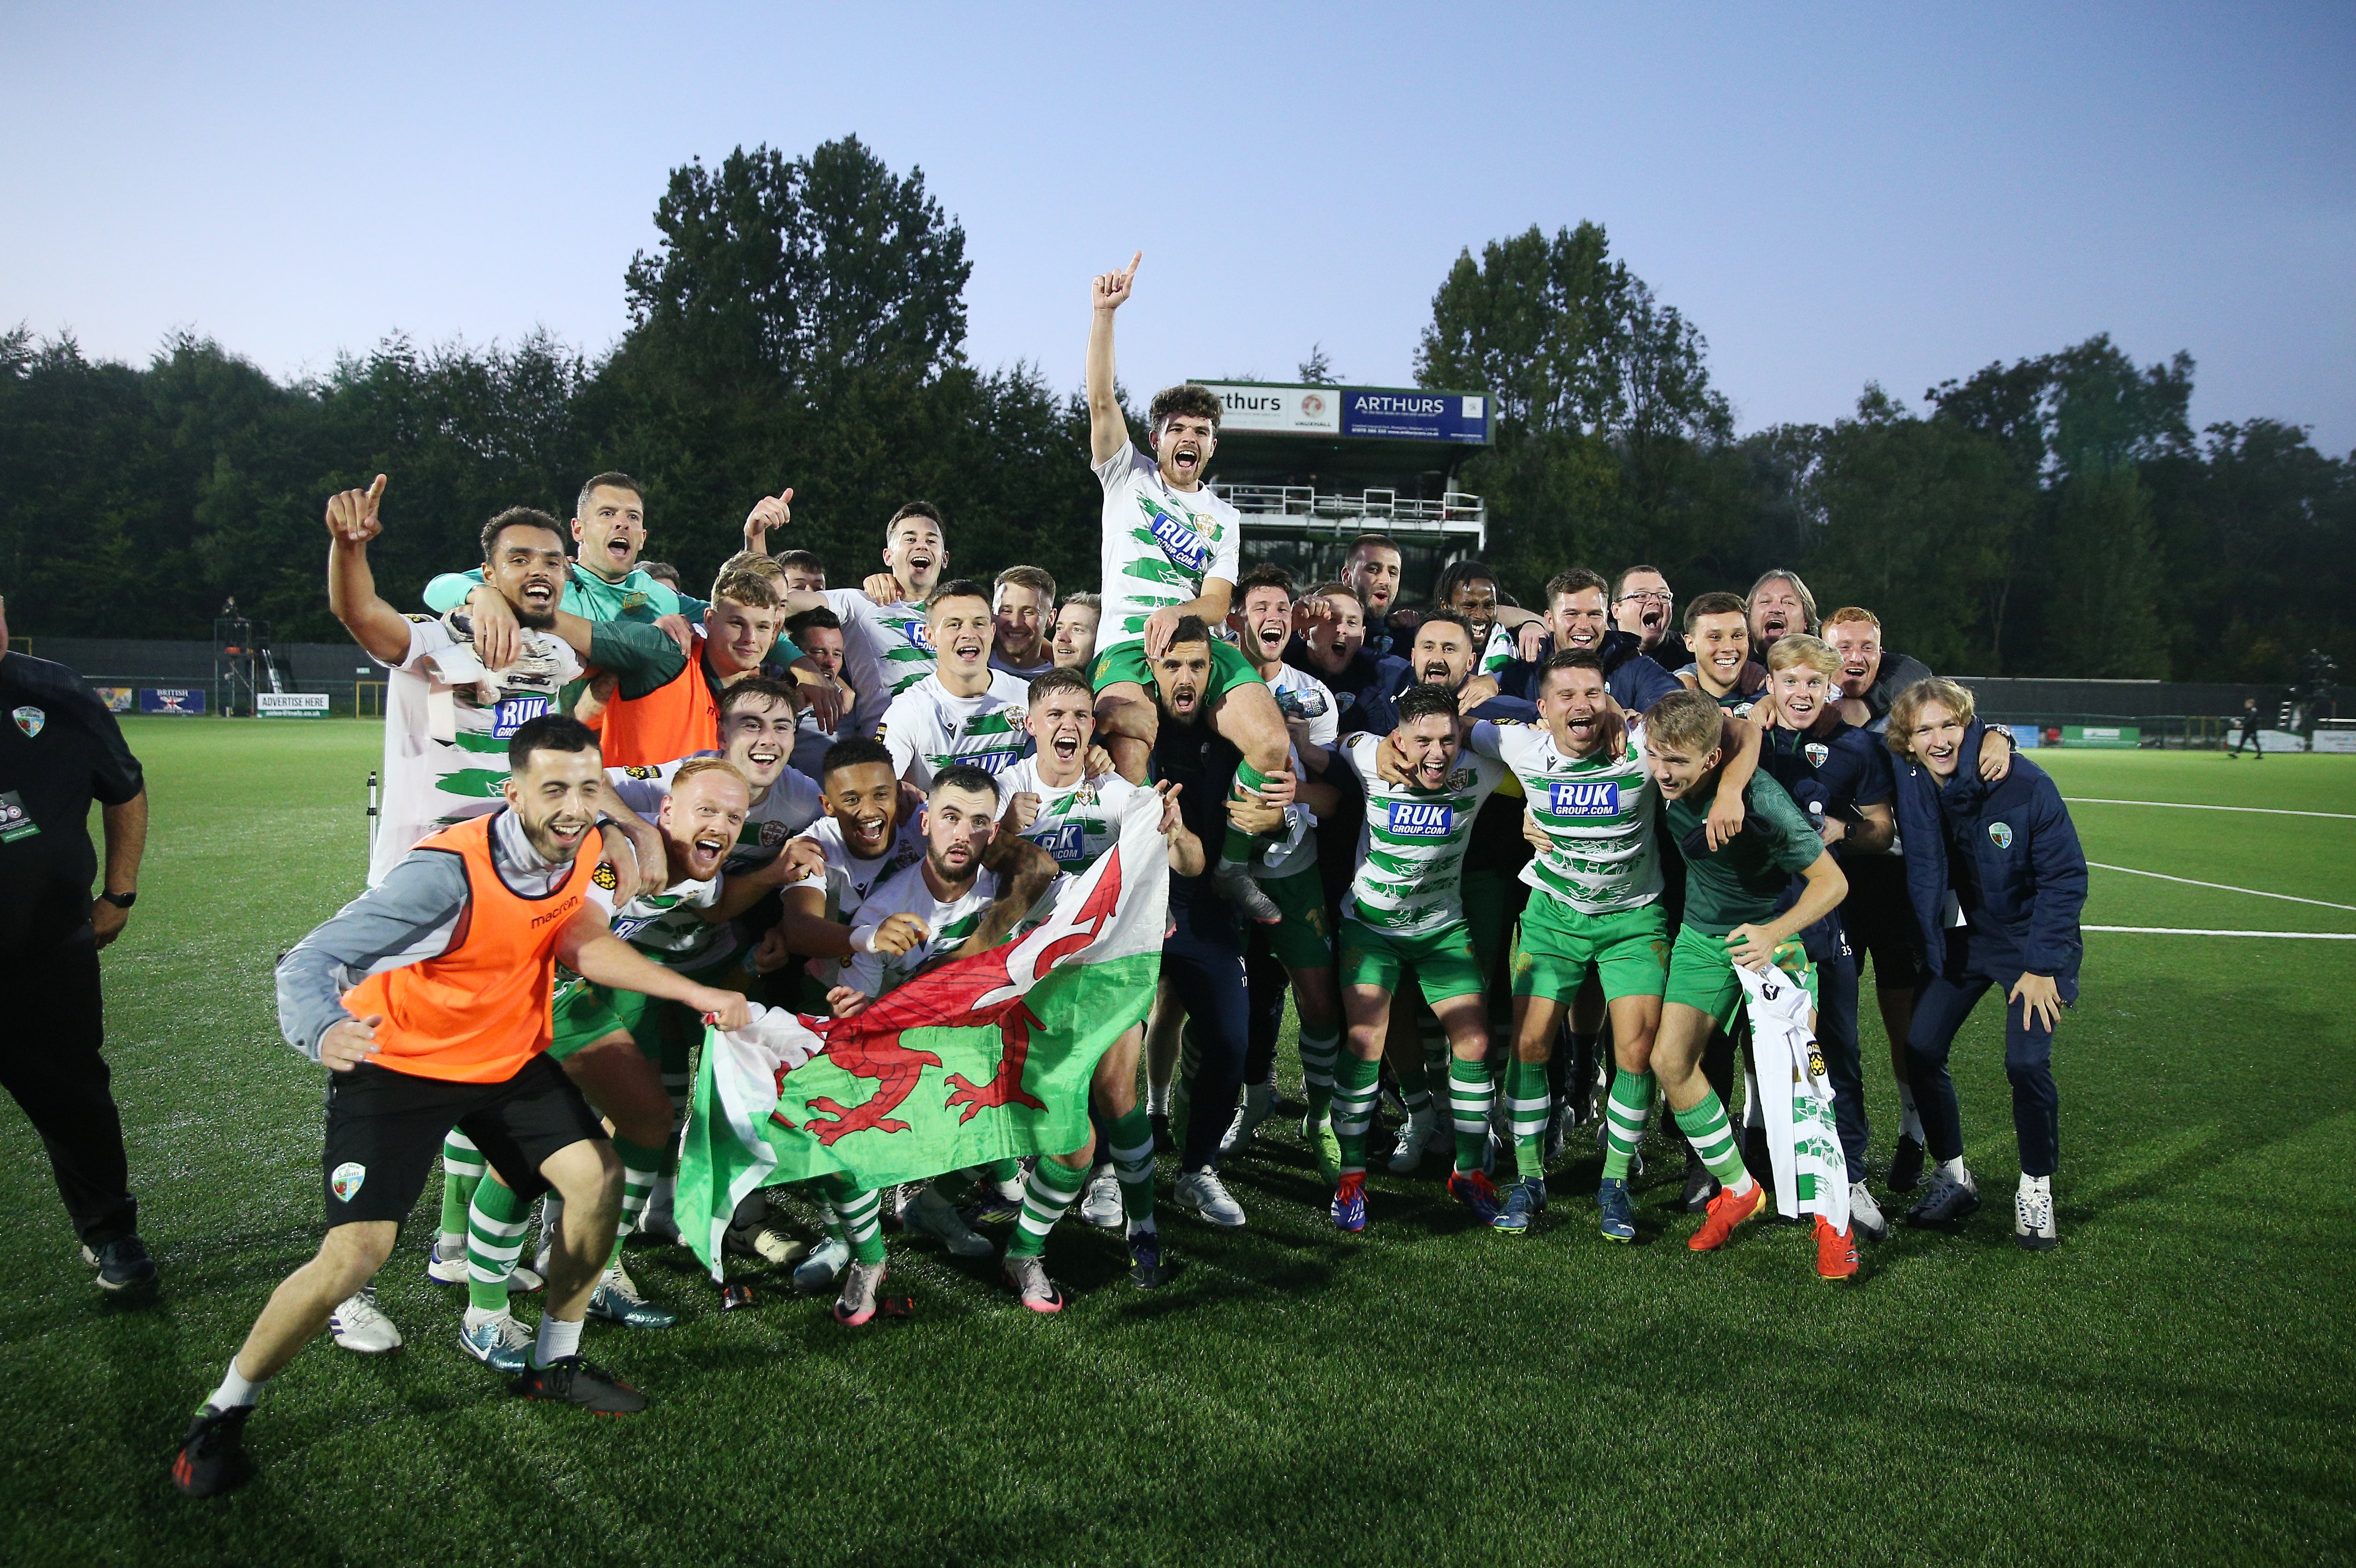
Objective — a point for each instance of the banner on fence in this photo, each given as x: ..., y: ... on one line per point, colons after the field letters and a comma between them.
x: 118, y: 698
x: 2116, y: 737
x: 171, y: 699
x: 291, y: 705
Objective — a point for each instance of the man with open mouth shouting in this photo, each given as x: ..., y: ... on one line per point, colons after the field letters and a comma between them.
x: 603, y: 583
x: 608, y: 1039
x: 1643, y: 606
x: 964, y: 712
x: 1171, y: 551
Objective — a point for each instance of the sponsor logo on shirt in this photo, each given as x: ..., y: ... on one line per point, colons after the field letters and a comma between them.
x: 626, y: 929
x: 514, y: 712
x: 1067, y: 842
x: 1583, y: 797
x: 1419, y: 819
x: 1300, y: 702
x: 1185, y: 547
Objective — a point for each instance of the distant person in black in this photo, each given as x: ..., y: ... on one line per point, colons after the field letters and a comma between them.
x: 60, y: 749
x: 2249, y: 730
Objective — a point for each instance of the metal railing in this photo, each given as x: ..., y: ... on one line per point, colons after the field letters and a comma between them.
x: 1456, y: 511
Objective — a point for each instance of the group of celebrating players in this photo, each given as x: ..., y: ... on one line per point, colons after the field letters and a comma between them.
x: 613, y: 812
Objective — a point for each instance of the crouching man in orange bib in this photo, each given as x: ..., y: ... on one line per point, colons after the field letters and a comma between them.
x: 427, y: 999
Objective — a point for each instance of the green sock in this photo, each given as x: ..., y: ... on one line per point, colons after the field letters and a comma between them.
x: 1469, y: 1098
x: 1714, y: 1141
x: 1353, y: 1106
x: 495, y: 1227
x: 1049, y: 1192
x: 1527, y: 1096
x: 1317, y: 1053
x: 1003, y: 1171
x: 640, y: 1167
x: 1623, y: 1121
x: 462, y: 1168
x: 1130, y: 1145
x: 1238, y: 844
x: 860, y: 1212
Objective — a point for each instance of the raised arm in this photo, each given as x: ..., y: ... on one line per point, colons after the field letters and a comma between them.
x: 1108, y: 425
x: 374, y: 625
x: 593, y: 952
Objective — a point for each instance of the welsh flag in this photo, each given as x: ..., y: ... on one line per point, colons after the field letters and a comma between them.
x: 982, y: 1059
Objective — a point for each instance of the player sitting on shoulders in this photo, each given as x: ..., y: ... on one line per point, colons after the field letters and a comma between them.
x: 1169, y: 551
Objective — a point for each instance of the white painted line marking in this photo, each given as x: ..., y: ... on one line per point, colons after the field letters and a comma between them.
x: 2179, y: 931
x: 2188, y: 805
x: 2222, y: 887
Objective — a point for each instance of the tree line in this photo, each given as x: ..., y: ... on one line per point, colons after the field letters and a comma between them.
x: 802, y: 322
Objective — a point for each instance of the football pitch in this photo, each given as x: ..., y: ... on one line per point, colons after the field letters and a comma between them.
x: 2177, y: 1381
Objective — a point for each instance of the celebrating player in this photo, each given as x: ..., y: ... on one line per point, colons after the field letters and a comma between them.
x: 1171, y: 549
x: 449, y: 1024
x: 965, y: 896
x: 1405, y: 912
x: 1732, y: 896
x: 1594, y: 910
x: 964, y: 712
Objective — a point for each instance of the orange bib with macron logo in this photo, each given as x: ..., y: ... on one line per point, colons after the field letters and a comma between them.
x: 480, y: 1011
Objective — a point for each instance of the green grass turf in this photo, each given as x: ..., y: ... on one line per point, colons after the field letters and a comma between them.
x: 2176, y: 1383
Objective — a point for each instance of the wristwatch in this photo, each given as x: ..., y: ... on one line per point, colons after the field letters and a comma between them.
x: 121, y: 901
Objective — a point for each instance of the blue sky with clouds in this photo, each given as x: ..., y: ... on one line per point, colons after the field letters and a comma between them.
x: 1834, y: 195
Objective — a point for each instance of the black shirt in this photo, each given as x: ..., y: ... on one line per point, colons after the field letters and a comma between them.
x: 59, y: 749
x: 1195, y: 758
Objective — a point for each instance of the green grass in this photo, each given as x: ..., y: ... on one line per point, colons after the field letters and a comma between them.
x: 2177, y: 1382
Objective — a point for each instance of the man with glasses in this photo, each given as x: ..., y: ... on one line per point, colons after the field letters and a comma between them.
x: 1643, y: 606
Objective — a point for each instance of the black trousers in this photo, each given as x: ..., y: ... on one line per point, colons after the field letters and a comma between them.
x: 50, y: 1061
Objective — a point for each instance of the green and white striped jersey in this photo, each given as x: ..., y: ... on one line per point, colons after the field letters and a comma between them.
x: 1598, y: 813
x: 1501, y: 649
x: 792, y: 804
x: 666, y: 927
x: 447, y: 727
x: 1412, y: 849
x: 907, y: 892
x: 1076, y: 823
x: 894, y: 635
x: 928, y: 728
x: 1159, y: 545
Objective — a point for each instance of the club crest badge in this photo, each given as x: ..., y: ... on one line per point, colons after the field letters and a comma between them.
x: 1815, y: 752
x: 2000, y: 834
x: 30, y: 719
x: 346, y: 1179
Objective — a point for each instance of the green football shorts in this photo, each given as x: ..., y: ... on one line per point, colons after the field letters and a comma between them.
x: 1555, y: 948
x: 1701, y: 975
x: 1229, y: 669
x: 587, y: 1013
x: 1442, y: 960
x: 1300, y: 940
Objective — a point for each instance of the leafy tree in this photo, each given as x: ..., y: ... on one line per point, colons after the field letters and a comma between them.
x: 796, y: 270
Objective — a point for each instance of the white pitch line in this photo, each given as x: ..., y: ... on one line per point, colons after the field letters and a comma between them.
x: 2222, y: 887
x: 2179, y: 931
x: 2188, y: 805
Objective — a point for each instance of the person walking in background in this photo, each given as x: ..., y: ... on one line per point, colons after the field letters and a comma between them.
x: 2249, y: 731
x: 60, y: 749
